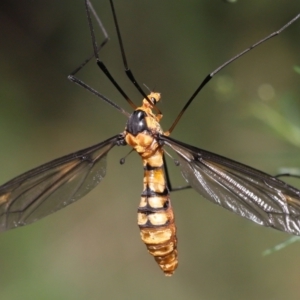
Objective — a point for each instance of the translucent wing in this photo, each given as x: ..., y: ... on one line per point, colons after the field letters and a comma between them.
x: 52, y: 186
x: 249, y: 193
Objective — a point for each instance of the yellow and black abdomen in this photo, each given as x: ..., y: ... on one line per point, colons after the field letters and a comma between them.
x: 155, y: 214
x: 156, y: 220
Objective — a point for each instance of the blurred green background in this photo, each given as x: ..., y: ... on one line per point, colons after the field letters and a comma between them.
x: 92, y: 249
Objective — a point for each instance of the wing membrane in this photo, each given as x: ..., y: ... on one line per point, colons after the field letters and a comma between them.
x: 52, y: 186
x: 243, y: 190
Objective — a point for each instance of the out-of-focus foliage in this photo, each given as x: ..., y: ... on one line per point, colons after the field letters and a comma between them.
x: 283, y: 118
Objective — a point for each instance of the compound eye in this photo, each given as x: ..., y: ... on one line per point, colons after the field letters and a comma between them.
x: 153, y: 100
x: 140, y: 115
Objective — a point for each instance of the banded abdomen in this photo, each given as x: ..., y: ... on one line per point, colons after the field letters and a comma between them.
x: 156, y: 218
x: 155, y: 214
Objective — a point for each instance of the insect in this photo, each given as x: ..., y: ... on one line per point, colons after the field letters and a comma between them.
x: 262, y: 198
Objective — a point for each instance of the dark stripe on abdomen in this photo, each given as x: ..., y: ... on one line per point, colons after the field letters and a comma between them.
x: 150, y: 193
x: 151, y: 168
x: 156, y: 220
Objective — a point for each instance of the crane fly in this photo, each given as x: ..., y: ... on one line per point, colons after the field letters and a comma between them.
x: 250, y: 193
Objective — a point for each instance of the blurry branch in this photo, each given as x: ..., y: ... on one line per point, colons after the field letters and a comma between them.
x: 281, y: 246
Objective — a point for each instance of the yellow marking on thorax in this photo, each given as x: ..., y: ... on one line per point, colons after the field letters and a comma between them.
x: 144, y: 143
x: 147, y: 107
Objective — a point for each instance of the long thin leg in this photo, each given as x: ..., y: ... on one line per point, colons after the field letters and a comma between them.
x: 104, y: 98
x: 210, y: 76
x: 103, y: 43
x: 127, y: 69
x: 89, y: 8
x: 96, y: 48
x: 168, y: 180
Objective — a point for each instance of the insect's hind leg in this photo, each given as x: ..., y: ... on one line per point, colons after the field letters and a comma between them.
x: 97, y: 48
x: 168, y: 180
x: 125, y: 64
x: 90, y: 9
